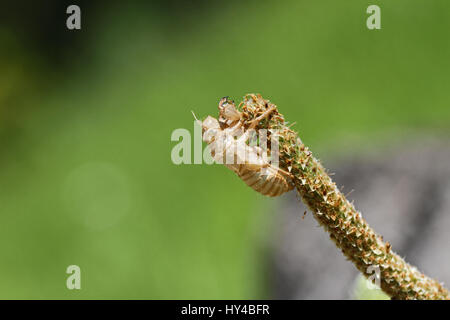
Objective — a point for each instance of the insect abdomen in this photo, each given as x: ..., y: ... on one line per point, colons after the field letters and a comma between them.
x: 269, y: 183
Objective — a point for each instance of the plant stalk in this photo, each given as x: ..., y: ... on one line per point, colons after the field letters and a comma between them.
x: 347, y: 229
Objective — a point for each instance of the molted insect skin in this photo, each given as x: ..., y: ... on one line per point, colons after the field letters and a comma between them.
x: 228, y: 114
x: 253, y: 169
x: 267, y: 181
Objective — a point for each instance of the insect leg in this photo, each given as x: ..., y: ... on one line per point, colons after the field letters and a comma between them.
x: 266, y: 113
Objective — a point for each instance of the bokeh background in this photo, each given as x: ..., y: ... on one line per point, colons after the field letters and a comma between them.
x: 86, y: 117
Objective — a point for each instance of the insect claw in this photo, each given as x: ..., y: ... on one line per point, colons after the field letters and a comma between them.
x: 222, y: 102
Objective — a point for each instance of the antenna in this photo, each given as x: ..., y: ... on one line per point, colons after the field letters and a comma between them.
x: 198, y: 121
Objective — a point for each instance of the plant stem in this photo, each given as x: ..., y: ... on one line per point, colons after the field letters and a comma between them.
x: 345, y: 225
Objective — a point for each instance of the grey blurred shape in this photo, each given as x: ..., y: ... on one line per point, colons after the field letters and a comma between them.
x: 404, y: 194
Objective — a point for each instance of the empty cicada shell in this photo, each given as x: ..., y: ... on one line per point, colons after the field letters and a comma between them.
x: 227, y: 140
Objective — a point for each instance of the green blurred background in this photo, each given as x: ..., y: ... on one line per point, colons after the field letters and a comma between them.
x: 86, y: 117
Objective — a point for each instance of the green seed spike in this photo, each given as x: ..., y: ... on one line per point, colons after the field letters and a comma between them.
x: 345, y: 225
